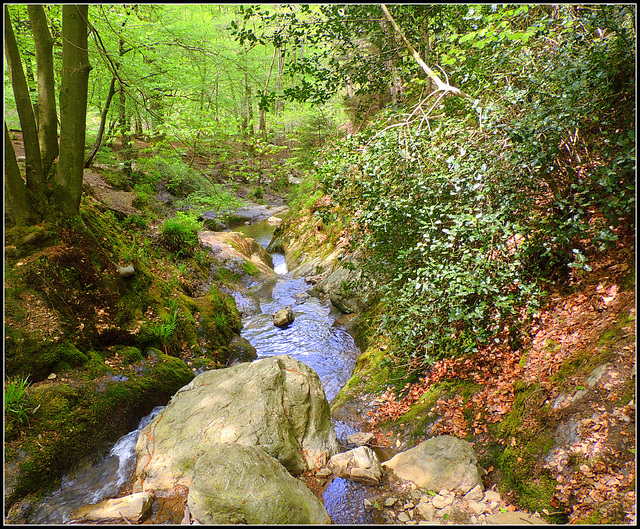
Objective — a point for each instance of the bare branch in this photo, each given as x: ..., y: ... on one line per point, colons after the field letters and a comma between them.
x: 442, y: 85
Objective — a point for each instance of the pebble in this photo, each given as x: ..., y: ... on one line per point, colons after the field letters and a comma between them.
x: 323, y: 473
x: 426, y: 510
x: 475, y: 507
x: 439, y: 501
x: 475, y: 493
x: 419, y: 507
x: 491, y: 495
x: 359, y: 438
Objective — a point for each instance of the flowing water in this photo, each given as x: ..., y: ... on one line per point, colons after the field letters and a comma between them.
x: 313, y: 338
x: 94, y: 484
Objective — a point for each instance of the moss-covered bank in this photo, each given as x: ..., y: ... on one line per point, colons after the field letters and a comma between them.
x: 100, y: 348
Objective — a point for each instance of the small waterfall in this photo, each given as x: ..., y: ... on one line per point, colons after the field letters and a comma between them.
x: 92, y: 485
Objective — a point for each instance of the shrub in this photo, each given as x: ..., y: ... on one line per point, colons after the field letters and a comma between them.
x: 180, y: 234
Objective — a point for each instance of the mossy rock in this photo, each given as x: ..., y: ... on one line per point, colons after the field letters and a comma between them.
x: 219, y: 321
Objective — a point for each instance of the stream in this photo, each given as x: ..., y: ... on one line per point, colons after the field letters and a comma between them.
x: 314, y: 338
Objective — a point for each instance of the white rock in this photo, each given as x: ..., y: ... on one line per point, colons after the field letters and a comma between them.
x: 476, y: 507
x: 426, y: 510
x: 444, y: 461
x: 359, y: 438
x: 130, y: 508
x: 360, y: 464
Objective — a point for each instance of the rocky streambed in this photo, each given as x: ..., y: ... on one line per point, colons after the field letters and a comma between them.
x: 255, y: 442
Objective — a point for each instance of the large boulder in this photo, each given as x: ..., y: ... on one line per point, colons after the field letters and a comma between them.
x: 236, y: 484
x: 443, y: 462
x: 276, y: 403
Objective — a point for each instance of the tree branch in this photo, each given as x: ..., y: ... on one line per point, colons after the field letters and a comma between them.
x: 445, y: 87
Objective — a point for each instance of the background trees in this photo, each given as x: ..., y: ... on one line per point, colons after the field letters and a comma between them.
x: 158, y: 71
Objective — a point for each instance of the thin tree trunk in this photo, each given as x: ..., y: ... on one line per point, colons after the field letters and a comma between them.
x: 33, y: 158
x: 263, y: 121
x: 279, y: 105
x: 73, y: 109
x: 47, y: 117
x: 17, y: 207
x: 103, y: 120
x: 125, y: 137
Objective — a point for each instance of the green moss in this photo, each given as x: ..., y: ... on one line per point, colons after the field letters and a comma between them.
x: 250, y: 268
x: 95, y: 366
x: 373, y: 373
x: 219, y: 321
x: 586, y: 360
x: 75, y: 421
x: 129, y: 353
x: 534, y: 489
x: 519, y: 463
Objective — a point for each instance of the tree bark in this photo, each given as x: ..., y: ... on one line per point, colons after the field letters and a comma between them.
x: 47, y: 116
x: 73, y: 110
x: 33, y: 159
x: 17, y: 208
x: 103, y: 120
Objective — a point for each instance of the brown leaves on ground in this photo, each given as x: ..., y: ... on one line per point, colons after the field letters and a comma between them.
x: 600, y: 486
x: 591, y: 475
x: 495, y: 368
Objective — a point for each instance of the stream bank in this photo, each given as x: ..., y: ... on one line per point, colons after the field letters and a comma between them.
x: 552, y: 423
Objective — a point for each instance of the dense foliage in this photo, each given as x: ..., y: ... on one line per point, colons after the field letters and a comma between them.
x: 464, y: 206
x: 466, y: 215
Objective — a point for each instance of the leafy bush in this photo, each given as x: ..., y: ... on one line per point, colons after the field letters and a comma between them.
x: 180, y: 234
x: 465, y: 218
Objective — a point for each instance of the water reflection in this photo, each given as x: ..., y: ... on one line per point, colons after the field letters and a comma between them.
x: 313, y: 338
x: 344, y: 501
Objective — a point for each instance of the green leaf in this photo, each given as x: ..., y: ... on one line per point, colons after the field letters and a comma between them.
x: 467, y: 37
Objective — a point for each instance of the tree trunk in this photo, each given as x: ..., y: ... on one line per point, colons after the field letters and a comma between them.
x: 33, y: 159
x: 125, y: 137
x: 278, y: 138
x: 73, y: 110
x: 47, y: 117
x: 103, y: 120
x: 17, y: 208
x: 263, y: 121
